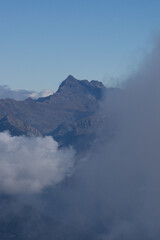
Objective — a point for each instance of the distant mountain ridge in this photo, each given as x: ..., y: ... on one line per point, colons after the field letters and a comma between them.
x: 19, y: 95
x: 66, y: 115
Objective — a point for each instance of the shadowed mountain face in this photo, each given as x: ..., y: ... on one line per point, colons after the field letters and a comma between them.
x: 67, y: 115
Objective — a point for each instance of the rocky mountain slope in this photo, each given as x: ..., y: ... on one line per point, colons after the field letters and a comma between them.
x: 67, y: 115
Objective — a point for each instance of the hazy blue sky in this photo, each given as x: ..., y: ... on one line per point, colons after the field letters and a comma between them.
x: 43, y: 41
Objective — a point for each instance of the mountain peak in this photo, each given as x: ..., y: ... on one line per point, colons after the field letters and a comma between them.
x: 70, y: 81
x: 70, y: 78
x: 71, y: 84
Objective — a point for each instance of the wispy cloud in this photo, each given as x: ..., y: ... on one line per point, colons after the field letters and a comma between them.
x: 121, y: 180
x: 29, y: 164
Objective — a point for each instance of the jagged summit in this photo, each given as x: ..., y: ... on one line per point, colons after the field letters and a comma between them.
x: 72, y: 83
x: 70, y: 78
x: 69, y: 82
x: 97, y: 84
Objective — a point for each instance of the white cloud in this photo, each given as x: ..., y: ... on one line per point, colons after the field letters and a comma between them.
x: 31, y: 164
x: 43, y: 93
x: 6, y: 92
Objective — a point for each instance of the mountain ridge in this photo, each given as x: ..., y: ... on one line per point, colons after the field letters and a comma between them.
x: 75, y: 101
